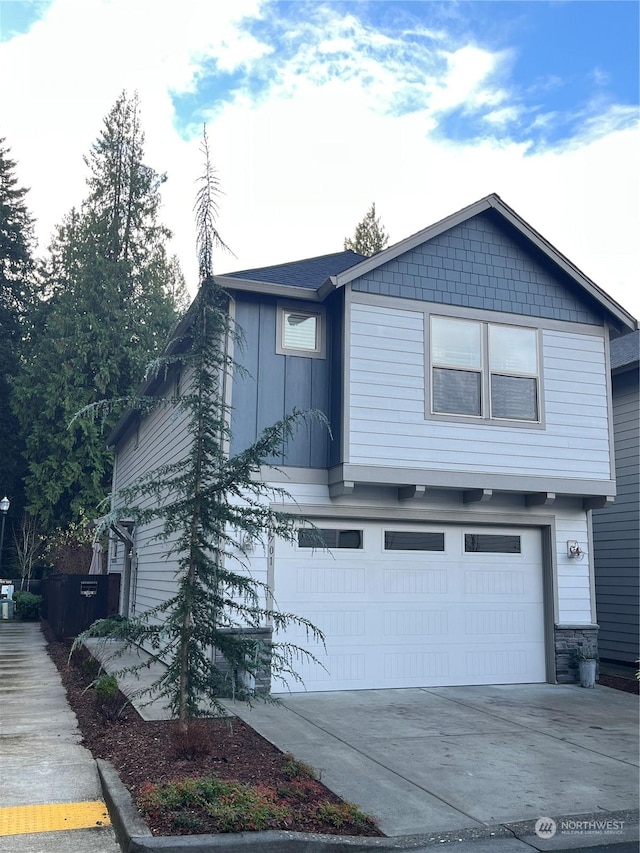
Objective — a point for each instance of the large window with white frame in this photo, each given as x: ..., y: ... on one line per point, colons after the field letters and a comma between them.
x: 484, y: 370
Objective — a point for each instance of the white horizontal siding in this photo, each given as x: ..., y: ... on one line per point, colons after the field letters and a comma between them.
x: 387, y: 423
x: 161, y: 438
x: 573, y: 576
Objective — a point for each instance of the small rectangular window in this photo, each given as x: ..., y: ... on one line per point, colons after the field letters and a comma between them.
x: 300, y: 331
x: 491, y: 543
x: 329, y: 538
x: 401, y: 540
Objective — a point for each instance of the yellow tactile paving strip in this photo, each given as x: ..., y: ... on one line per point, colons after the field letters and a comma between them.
x: 52, y: 817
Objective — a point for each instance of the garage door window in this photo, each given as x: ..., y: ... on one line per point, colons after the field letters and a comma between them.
x: 491, y: 543
x: 329, y: 538
x: 401, y: 540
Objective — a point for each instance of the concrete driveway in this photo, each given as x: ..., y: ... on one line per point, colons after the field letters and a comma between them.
x: 438, y: 759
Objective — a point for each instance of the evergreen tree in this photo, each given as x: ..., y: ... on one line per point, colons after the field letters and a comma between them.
x: 108, y: 303
x: 16, y: 299
x: 370, y: 236
x: 211, y: 506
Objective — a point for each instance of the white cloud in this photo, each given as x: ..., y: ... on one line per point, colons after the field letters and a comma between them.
x: 329, y: 134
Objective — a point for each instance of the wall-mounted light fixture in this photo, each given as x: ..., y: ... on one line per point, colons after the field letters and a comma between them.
x: 248, y: 543
x: 574, y: 550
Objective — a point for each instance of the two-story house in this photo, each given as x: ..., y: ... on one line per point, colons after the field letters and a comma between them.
x: 465, y: 375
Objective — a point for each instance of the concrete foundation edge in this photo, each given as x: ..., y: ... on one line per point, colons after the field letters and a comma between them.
x: 134, y: 836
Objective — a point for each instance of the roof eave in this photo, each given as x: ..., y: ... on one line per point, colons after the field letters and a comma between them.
x: 287, y: 291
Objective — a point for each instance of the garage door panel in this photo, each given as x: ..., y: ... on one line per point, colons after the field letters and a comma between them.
x: 415, y: 581
x: 411, y: 618
x: 330, y: 580
x: 423, y: 666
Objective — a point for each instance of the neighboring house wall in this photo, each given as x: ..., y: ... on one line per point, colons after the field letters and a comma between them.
x: 616, y: 530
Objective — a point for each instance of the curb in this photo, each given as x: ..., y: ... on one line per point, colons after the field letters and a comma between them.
x: 134, y: 835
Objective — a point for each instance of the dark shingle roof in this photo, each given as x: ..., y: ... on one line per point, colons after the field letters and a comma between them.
x: 625, y: 350
x: 308, y: 273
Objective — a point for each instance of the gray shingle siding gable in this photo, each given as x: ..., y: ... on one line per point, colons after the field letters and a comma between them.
x: 479, y: 264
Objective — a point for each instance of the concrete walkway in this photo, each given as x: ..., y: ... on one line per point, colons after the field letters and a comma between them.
x: 41, y: 759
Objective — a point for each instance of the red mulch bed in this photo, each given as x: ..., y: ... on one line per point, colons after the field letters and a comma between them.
x: 146, y: 752
x: 619, y: 682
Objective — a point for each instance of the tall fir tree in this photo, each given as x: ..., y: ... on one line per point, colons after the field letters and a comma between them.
x: 370, y: 236
x: 211, y: 507
x: 107, y: 307
x: 16, y: 302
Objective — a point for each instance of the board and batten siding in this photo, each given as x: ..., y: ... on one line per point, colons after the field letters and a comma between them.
x: 616, y: 532
x: 270, y: 385
x: 387, y: 400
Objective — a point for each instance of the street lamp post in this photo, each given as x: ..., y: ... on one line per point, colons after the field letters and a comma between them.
x: 4, y: 509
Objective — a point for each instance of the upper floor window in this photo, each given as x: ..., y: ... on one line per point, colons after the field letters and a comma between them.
x: 300, y: 332
x: 484, y: 370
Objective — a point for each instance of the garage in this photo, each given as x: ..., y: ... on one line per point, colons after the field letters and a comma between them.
x: 415, y: 605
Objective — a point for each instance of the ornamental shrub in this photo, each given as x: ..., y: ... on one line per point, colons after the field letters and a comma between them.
x: 27, y: 606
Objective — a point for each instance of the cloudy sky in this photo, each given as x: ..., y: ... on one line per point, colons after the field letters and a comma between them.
x: 316, y: 109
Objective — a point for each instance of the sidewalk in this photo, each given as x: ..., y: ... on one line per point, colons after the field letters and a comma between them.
x: 50, y: 795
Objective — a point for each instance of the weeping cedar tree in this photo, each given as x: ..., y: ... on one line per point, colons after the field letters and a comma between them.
x: 211, y: 506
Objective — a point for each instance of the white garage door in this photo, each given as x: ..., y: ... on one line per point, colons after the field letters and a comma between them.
x: 409, y: 606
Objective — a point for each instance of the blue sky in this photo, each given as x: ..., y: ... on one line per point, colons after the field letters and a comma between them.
x: 315, y: 109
